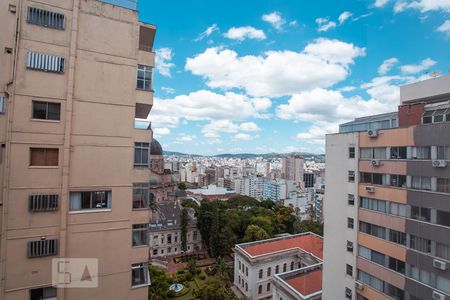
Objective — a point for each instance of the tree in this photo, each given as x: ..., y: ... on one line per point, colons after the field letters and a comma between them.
x: 220, y: 269
x: 215, y: 289
x: 192, y: 266
x: 182, y: 186
x: 159, y: 284
x: 255, y: 233
x: 184, y: 222
x: 306, y: 226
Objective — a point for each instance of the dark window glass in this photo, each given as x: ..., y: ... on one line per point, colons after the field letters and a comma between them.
x: 443, y: 218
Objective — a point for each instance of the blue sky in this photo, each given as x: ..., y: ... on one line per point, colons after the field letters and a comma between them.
x: 261, y: 76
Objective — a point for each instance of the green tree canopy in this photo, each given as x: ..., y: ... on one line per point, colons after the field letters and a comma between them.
x: 255, y: 233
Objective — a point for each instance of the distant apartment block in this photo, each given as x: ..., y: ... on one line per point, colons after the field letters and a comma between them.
x: 387, y: 208
x: 75, y: 75
x: 275, y: 268
x: 292, y: 168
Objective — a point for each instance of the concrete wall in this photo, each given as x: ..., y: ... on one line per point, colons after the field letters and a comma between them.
x: 336, y: 210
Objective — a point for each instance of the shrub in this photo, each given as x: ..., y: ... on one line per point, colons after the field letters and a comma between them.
x: 181, y: 278
x: 188, y: 276
x: 202, y: 276
x: 180, y: 271
x: 198, y: 270
x: 171, y: 294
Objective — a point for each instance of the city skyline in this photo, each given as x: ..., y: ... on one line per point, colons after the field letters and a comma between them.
x: 222, y: 85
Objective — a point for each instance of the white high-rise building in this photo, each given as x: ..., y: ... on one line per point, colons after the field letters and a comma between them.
x: 292, y: 168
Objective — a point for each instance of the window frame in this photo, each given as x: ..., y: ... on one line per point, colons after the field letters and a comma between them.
x: 46, y: 159
x: 145, y: 273
x: 146, y: 79
x: 139, y: 235
x: 47, y: 104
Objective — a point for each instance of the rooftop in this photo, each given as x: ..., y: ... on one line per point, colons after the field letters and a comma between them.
x: 306, y: 282
x: 212, y: 190
x: 307, y: 242
x: 168, y: 215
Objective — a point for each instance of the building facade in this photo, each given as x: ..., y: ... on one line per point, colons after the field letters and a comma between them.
x: 292, y: 168
x: 256, y: 263
x: 387, y: 207
x: 75, y: 77
x: 165, y: 231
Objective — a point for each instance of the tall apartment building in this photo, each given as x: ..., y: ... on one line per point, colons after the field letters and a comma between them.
x: 387, y: 206
x: 252, y: 186
x: 292, y: 168
x: 74, y: 169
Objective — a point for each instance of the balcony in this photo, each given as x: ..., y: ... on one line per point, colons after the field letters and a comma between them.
x: 146, y: 37
x: 129, y: 4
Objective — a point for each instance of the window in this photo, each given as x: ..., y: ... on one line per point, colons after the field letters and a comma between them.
x: 284, y: 267
x: 348, y: 293
x: 350, y: 223
x: 443, y: 251
x: 268, y: 287
x: 90, y: 200
x: 260, y: 273
x: 351, y: 152
x: 140, y: 235
x: 398, y: 209
x: 421, y: 183
x: 246, y: 286
x: 246, y: 271
x: 427, y: 117
x: 139, y: 274
x: 277, y: 269
x: 372, y: 178
x: 292, y: 265
x: 371, y: 280
x: 155, y: 251
x: 260, y: 289
x: 38, y: 203
x: 42, y: 248
x: 169, y: 238
x: 144, y: 78
x: 421, y: 152
x: 43, y: 293
x: 398, y: 152
x: 366, y: 153
x: 396, y: 265
x: 269, y: 271
x: 377, y: 257
x: 373, y: 204
x: 46, y: 110
x: 349, y: 270
x: 438, y: 116
x: 3, y: 101
x: 45, y: 62
x: 443, y: 185
x: 443, y: 152
x: 45, y: 18
x: 397, y: 237
x: 398, y: 180
x: 351, y: 199
x: 365, y: 252
x: 44, y: 156
x: 421, y: 213
x: 141, y: 195
x: 351, y: 176
x: 394, y: 292
x: 141, y: 154
x: 350, y: 246
x: 443, y: 217
x: 372, y: 229
x: 373, y: 153
x: 420, y: 244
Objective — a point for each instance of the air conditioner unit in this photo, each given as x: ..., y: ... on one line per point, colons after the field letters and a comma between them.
x: 439, y: 264
x: 437, y: 296
x: 370, y: 189
x: 372, y: 133
x: 439, y: 163
x: 359, y: 285
x: 375, y: 162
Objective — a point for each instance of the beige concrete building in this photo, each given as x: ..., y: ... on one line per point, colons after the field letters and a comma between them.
x: 292, y: 168
x: 75, y: 74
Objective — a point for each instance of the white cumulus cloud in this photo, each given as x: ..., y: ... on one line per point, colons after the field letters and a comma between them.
x: 163, y: 61
x: 244, y: 136
x: 380, y: 3
x: 422, y: 66
x: 245, y: 32
x: 158, y: 132
x: 444, y: 28
x: 208, y: 31
x: 344, y: 16
x: 387, y: 65
x: 274, y: 19
x: 325, y: 24
x: 322, y: 63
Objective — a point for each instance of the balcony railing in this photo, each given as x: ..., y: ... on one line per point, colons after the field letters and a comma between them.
x: 130, y: 4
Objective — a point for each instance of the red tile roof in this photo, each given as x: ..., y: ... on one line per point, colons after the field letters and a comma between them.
x: 307, y: 283
x: 308, y: 242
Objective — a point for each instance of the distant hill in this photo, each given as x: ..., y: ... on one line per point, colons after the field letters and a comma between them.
x: 316, y: 157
